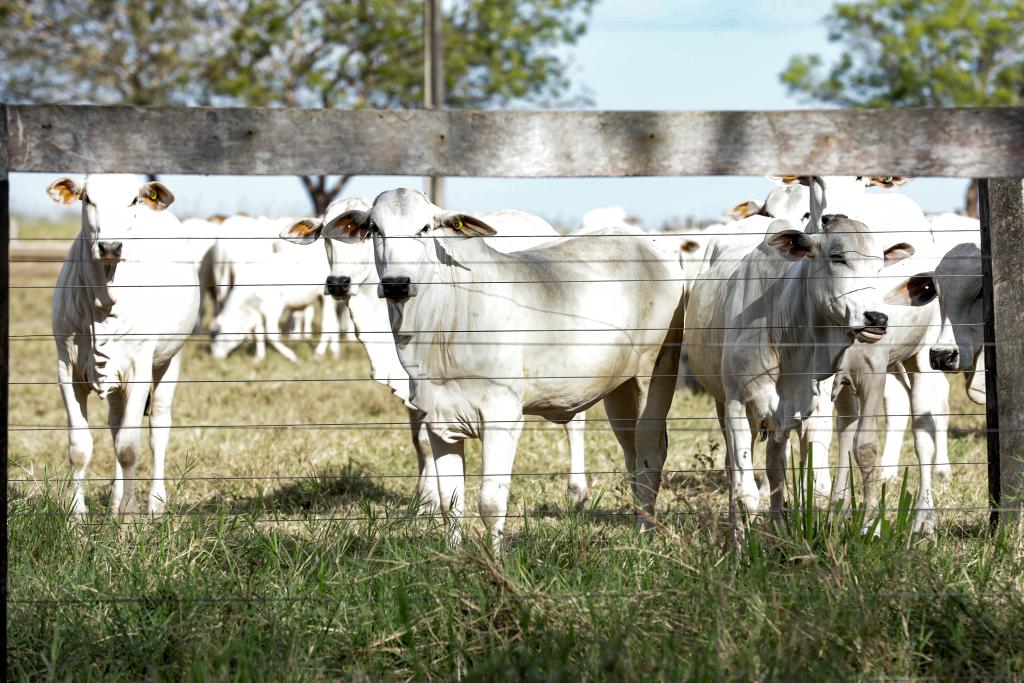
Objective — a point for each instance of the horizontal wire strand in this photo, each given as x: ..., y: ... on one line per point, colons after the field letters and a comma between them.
x: 468, y: 475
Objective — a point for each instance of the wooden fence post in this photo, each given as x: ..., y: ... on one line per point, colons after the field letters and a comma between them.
x: 1001, y: 202
x: 5, y: 311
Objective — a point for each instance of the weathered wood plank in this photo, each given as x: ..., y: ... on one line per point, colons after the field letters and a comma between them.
x: 983, y: 142
x: 5, y: 331
x: 1002, y: 214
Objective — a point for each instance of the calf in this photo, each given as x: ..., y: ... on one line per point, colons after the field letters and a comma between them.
x: 763, y: 324
x: 125, y: 301
x: 353, y: 279
x: 576, y: 326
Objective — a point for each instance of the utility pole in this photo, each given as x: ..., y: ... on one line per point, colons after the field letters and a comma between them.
x: 433, y: 77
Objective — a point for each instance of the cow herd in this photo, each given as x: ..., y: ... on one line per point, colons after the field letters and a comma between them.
x: 826, y: 297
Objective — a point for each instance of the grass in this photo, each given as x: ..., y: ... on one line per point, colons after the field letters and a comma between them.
x: 326, y: 574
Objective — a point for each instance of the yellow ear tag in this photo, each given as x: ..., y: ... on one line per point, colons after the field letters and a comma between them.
x: 153, y: 194
x: 457, y: 225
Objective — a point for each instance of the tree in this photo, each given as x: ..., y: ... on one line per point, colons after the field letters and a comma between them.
x: 918, y: 53
x: 369, y: 54
x: 294, y: 53
x: 101, y: 51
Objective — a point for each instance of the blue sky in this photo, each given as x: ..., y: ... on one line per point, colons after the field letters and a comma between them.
x: 638, y: 54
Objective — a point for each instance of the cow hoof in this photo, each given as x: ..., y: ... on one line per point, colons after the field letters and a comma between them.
x: 578, y: 495
x: 129, y: 508
x: 890, y: 473
x: 156, y: 507
x: 942, y: 473
x: 924, y: 523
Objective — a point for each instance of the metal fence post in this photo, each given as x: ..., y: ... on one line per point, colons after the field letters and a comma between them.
x: 1001, y: 203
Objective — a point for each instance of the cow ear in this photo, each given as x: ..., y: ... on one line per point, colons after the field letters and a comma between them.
x: 744, y: 210
x: 898, y: 252
x: 790, y: 179
x: 303, y: 231
x: 888, y: 181
x: 792, y: 245
x: 156, y: 195
x: 470, y: 226
x: 65, y: 191
x: 917, y: 290
x: 351, y: 226
x: 689, y: 246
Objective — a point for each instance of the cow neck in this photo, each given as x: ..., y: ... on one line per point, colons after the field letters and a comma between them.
x: 798, y: 327
x: 445, y: 305
x: 370, y: 320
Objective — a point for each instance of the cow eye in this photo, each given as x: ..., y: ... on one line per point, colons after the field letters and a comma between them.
x: 838, y: 258
x: 425, y: 229
x: 134, y: 202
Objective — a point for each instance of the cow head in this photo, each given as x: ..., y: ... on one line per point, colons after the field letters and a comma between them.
x: 351, y: 262
x: 237, y: 321
x: 114, y: 209
x: 957, y: 281
x: 843, y: 263
x: 407, y: 232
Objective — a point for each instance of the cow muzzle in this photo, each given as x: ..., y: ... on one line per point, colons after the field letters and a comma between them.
x: 877, y: 324
x: 338, y: 286
x: 946, y: 360
x: 395, y: 288
x: 109, y: 251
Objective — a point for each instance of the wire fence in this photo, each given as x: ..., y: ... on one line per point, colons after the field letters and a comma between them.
x: 499, y: 338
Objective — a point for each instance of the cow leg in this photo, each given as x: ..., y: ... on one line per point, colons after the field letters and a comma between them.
x: 260, y: 334
x: 76, y: 398
x: 274, y: 335
x: 871, y: 389
x: 500, y: 438
x: 115, y: 417
x: 776, y: 465
x: 578, y: 487
x: 426, y: 485
x: 656, y: 394
x: 451, y: 483
x: 922, y: 406
x: 744, y: 496
x: 330, y: 329
x: 308, y: 316
x: 621, y: 408
x: 164, y: 384
x: 941, y: 469
x: 128, y: 442
x: 897, y: 411
x: 815, y: 438
x: 847, y: 422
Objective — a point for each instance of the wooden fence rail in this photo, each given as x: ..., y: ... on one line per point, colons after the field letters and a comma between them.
x: 961, y: 142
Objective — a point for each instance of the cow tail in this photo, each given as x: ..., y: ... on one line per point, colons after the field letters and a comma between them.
x: 149, y: 402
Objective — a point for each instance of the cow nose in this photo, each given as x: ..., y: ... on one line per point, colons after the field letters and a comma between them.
x: 111, y: 249
x: 395, y: 288
x: 338, y: 285
x: 946, y: 360
x: 876, y: 319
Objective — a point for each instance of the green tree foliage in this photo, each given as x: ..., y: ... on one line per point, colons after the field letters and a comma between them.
x: 918, y: 53
x: 296, y: 53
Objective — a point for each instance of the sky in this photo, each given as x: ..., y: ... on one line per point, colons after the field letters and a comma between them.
x: 637, y: 55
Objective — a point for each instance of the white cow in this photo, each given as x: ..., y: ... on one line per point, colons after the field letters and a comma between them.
x: 353, y: 279
x: 765, y: 323
x: 957, y: 281
x: 117, y: 334
x: 280, y: 283
x: 570, y: 332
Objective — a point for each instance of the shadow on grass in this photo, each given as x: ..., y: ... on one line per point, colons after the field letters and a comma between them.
x: 322, y: 491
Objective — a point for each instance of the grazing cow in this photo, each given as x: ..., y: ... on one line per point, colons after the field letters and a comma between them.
x: 125, y: 301
x: 576, y: 326
x: 282, y: 282
x: 353, y: 279
x: 764, y: 324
